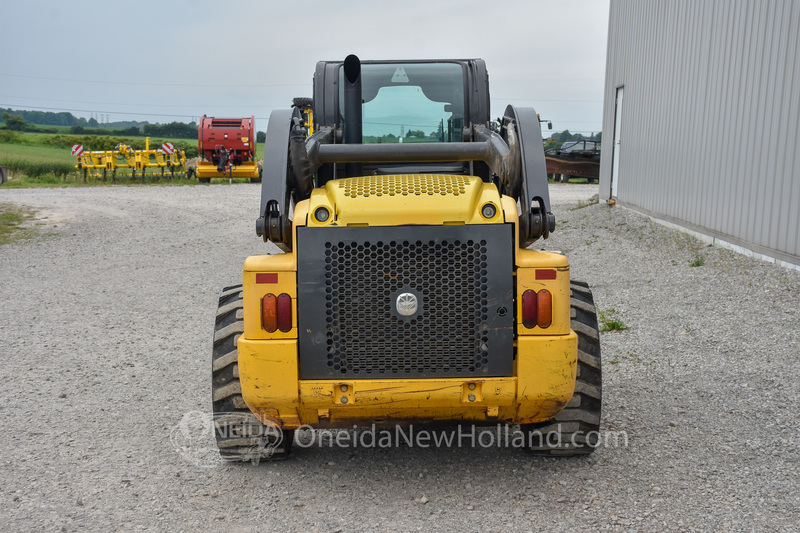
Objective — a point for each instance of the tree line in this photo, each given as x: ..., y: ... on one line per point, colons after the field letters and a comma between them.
x: 50, y: 118
x: 47, y: 118
x: 32, y: 121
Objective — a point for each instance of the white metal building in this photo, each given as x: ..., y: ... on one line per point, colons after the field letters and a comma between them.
x: 702, y: 101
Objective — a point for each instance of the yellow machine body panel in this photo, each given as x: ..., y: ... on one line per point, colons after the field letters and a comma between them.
x: 544, y: 369
x: 419, y: 199
x: 207, y: 169
x: 543, y: 383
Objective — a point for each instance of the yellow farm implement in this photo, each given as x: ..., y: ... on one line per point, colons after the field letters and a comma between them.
x: 99, y: 164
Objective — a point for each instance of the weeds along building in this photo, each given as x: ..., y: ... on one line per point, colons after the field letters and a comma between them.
x: 702, y: 101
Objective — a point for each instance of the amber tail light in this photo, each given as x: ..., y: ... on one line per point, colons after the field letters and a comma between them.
x: 544, y: 308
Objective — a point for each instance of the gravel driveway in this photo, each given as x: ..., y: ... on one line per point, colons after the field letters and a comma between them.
x: 105, y: 335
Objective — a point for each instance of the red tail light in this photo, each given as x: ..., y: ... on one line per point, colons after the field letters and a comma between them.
x: 529, y: 309
x: 269, y: 313
x: 276, y: 313
x: 537, y: 308
x: 285, y: 312
x: 544, y: 308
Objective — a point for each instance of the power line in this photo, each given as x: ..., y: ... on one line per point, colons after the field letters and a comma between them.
x: 59, y: 109
x: 500, y: 98
x: 138, y: 104
x: 157, y: 84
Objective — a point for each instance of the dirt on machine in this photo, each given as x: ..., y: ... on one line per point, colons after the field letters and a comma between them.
x: 406, y: 291
x: 227, y: 149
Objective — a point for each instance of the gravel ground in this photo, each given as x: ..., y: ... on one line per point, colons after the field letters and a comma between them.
x: 105, y: 344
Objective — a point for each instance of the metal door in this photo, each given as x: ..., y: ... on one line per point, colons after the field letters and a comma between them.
x: 617, y: 143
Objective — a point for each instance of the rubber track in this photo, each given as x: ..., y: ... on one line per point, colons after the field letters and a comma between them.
x: 581, y: 416
x: 239, y: 433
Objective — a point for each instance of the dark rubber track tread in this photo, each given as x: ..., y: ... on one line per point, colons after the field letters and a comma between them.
x: 238, y: 432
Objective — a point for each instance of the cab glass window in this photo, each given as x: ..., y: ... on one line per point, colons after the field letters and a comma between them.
x: 410, y: 102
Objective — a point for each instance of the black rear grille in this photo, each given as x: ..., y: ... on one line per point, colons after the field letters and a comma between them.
x: 350, y: 280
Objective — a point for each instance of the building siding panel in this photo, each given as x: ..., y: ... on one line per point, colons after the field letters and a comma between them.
x: 709, y: 131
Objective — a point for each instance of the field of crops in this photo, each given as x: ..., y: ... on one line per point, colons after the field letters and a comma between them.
x: 44, y: 159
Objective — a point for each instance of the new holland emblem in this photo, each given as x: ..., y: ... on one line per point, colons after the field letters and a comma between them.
x: 407, y: 304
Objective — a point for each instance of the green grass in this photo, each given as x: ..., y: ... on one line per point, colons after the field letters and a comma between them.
x: 571, y: 181
x: 631, y: 357
x: 594, y: 200
x: 33, y: 160
x: 12, y: 223
x: 64, y: 129
x: 64, y: 141
x: 697, y: 260
x: 36, y: 151
x: 36, y: 167
x: 21, y: 181
x: 610, y: 322
x: 35, y: 137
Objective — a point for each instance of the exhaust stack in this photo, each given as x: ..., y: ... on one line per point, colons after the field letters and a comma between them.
x: 353, y: 127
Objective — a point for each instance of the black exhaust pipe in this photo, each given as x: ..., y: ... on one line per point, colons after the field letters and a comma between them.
x: 353, y: 128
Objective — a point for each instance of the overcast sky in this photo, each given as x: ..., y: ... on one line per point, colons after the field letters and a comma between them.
x: 177, y: 60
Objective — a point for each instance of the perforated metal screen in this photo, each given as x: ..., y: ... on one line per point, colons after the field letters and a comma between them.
x: 459, y: 280
x: 405, y: 185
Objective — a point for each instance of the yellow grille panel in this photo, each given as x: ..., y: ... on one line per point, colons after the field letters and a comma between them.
x: 398, y: 200
x: 405, y: 185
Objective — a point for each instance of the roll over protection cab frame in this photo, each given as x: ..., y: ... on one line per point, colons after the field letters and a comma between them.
x: 510, y: 150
